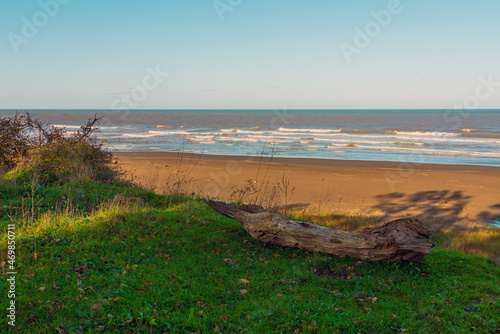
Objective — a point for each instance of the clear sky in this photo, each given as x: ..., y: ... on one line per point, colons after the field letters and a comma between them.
x: 265, y: 54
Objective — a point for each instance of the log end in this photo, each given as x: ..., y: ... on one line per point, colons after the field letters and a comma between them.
x: 233, y: 210
x: 408, y: 239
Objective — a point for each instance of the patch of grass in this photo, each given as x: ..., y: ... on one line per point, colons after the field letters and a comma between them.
x: 337, y: 221
x: 133, y: 261
x: 30, y: 199
x: 484, y: 241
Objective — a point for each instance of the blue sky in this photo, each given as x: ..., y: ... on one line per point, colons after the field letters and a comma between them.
x: 262, y: 53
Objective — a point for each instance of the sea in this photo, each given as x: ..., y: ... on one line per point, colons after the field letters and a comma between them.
x: 418, y: 136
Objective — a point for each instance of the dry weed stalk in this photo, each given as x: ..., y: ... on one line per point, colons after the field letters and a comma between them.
x: 178, y: 181
x: 272, y: 195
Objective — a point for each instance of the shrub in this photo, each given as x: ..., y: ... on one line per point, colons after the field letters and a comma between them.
x: 52, y: 154
x: 14, y: 141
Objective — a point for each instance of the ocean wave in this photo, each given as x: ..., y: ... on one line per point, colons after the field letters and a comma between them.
x: 202, y: 137
x: 439, y: 138
x: 410, y: 143
x: 401, y: 138
x: 310, y: 130
x: 138, y: 135
x: 425, y: 134
x: 480, y: 135
x: 430, y: 151
x: 171, y: 132
x: 67, y: 126
x: 274, y: 133
x: 368, y: 131
x: 395, y: 135
x: 101, y: 127
x: 255, y: 139
x: 362, y: 139
x: 288, y: 140
x: 114, y: 127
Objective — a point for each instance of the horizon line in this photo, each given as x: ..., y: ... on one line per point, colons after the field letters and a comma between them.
x: 232, y: 109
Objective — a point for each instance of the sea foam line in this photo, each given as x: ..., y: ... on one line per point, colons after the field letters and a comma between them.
x: 425, y: 150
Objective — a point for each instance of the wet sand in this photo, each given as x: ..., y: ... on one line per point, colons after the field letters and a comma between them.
x: 450, y: 196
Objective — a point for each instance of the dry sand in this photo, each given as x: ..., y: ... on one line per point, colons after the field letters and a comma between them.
x: 451, y: 196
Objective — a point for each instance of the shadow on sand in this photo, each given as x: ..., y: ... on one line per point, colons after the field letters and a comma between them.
x: 445, y: 208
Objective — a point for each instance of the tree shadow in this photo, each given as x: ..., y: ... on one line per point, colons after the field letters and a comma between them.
x: 443, y: 207
x: 488, y: 216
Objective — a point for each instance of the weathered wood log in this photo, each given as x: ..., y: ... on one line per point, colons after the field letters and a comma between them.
x: 402, y: 239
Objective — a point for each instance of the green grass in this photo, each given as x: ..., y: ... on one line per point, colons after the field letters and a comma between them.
x: 98, y: 258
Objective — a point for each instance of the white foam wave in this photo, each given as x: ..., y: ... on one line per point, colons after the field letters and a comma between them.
x: 329, y: 137
x: 309, y: 130
x: 101, y: 127
x: 137, y: 135
x: 202, y: 137
x: 425, y: 134
x: 443, y: 139
x: 410, y: 136
x: 254, y: 139
x: 171, y: 132
x: 429, y: 151
x: 67, y: 126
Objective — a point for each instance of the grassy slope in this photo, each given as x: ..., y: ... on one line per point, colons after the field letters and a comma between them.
x: 146, y: 263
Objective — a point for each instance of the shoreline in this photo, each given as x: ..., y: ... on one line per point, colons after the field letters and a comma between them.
x: 310, y: 160
x: 455, y: 197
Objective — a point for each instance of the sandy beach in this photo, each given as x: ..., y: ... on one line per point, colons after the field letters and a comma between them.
x: 453, y: 196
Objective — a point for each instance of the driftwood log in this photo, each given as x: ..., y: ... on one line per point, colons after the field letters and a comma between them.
x: 402, y: 239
